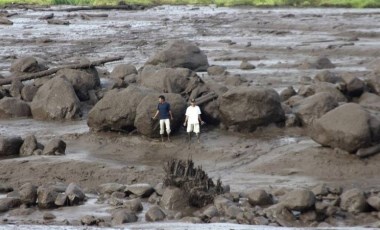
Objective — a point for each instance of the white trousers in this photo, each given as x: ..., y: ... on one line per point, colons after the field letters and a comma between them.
x: 193, y: 128
x: 166, y: 123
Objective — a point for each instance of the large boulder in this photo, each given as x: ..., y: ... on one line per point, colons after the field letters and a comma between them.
x: 81, y: 80
x: 154, y: 213
x: 13, y: 107
x: 247, y: 108
x: 123, y: 70
x: 299, y: 200
x: 28, y: 194
x: 174, y: 199
x: 55, y: 100
x: 346, y: 127
x: 117, y: 109
x: 353, y: 201
x: 181, y: 53
x: 10, y: 145
x: 148, y: 107
x: 75, y: 194
x: 168, y: 80
x: 259, y: 197
x: 313, y: 107
x: 26, y: 65
x: 46, y: 197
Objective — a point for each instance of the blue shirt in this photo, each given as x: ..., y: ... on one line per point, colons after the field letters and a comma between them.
x: 164, y: 109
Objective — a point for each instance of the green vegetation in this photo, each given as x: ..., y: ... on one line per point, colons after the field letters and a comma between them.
x: 297, y: 3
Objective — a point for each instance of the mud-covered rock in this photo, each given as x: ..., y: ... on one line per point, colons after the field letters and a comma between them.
x: 55, y: 100
x: 165, y: 80
x: 141, y: 190
x: 148, y: 107
x: 28, y: 92
x: 216, y: 70
x: 46, y: 197
x: 180, y: 53
x: 299, y: 200
x: 123, y: 216
x: 26, y: 65
x: 154, y: 213
x: 28, y: 194
x: 174, y: 199
x: 8, y: 203
x: 110, y: 188
x: 10, y: 145
x: 248, y: 108
x: 81, y: 80
x: 287, y: 93
x: 122, y: 70
x: 353, y: 201
x: 13, y: 107
x: 117, y: 109
x: 313, y: 107
x: 29, y: 145
x: 259, y: 197
x: 346, y: 127
x: 75, y: 194
x: 54, y: 147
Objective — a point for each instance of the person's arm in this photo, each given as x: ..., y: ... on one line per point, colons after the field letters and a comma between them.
x: 186, y: 118
x: 171, y: 115
x: 199, y: 116
x: 155, y: 115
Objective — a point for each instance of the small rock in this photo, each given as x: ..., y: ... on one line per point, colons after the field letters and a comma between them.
x: 8, y: 203
x: 118, y: 195
x: 308, y: 216
x: 15, y: 89
x: 10, y: 145
x: 123, y: 216
x: 141, y: 190
x: 320, y: 189
x: 159, y: 188
x: 109, y: 188
x: 233, y: 211
x: 28, y: 194
x: 58, y: 22
x: 28, y: 146
x: 48, y: 216
x: 374, y: 202
x: 222, y: 204
x: 46, y: 197
x: 173, y: 199
x: 287, y: 93
x: 88, y: 220
x: 154, y: 214
x: 353, y: 201
x: 260, y: 220
x: 28, y: 92
x: 280, y: 214
x: 74, y: 194
x: 216, y: 70
x: 61, y: 200
x: 133, y: 205
x: 245, y: 65
x: 5, y: 21
x: 211, y: 212
x: 335, y: 189
x: 299, y: 200
x: 154, y: 199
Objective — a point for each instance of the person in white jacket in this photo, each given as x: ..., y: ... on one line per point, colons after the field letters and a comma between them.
x: 193, y: 120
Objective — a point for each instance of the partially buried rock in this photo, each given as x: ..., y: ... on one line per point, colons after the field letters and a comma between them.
x: 319, y: 63
x: 154, y: 214
x: 26, y: 64
x: 55, y: 147
x: 58, y: 22
x: 110, y: 188
x: 216, y: 70
x: 123, y: 216
x: 48, y: 216
x: 5, y: 21
x: 8, y: 203
x: 13, y: 107
x: 279, y: 213
x: 245, y: 65
x: 287, y: 93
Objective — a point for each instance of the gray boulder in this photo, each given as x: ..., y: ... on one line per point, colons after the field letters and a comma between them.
x: 354, y: 86
x: 140, y: 190
x: 28, y: 194
x: 26, y: 65
x: 181, y: 53
x: 259, y: 197
x: 81, y: 80
x: 28, y: 92
x: 11, y: 107
x: 148, y: 107
x: 117, y: 109
x: 29, y: 145
x: 54, y: 147
x: 174, y: 199
x: 75, y: 194
x: 299, y: 200
x: 353, y: 201
x: 247, y: 108
x: 313, y: 107
x: 10, y: 145
x: 46, y: 197
x: 110, y: 188
x: 61, y: 200
x: 328, y: 76
x: 287, y: 93
x: 15, y: 89
x: 133, y: 205
x: 154, y: 213
x: 165, y: 80
x: 123, y: 70
x: 374, y: 202
x: 55, y: 100
x: 123, y: 216
x: 216, y: 70
x: 346, y: 127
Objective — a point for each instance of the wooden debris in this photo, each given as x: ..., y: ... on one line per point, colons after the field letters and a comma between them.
x: 192, y: 180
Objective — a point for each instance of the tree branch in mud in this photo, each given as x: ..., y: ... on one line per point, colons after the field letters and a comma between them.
x: 118, y: 7
x: 192, y: 180
x: 51, y: 71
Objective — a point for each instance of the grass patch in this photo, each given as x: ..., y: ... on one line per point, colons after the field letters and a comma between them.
x: 295, y: 3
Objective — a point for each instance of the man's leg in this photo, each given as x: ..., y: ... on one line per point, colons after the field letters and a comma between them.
x: 162, y: 130
x: 197, y: 131
x: 168, y: 130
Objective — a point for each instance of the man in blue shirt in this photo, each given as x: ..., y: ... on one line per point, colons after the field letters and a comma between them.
x: 163, y: 109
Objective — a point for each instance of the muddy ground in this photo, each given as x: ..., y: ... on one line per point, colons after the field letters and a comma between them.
x: 274, y: 40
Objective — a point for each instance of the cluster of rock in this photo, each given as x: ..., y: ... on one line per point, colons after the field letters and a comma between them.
x: 28, y: 196
x: 339, y: 111
x: 15, y: 145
